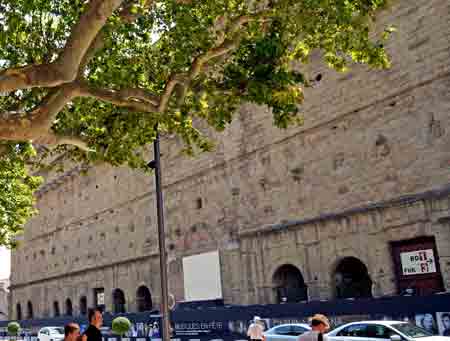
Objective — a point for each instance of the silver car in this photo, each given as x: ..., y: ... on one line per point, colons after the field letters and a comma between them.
x: 286, y: 332
x: 51, y: 334
x: 382, y: 331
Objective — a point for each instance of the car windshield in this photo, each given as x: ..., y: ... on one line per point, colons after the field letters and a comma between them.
x: 57, y: 331
x: 411, y: 330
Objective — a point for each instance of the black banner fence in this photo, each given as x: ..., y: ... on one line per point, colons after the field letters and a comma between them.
x: 230, y: 322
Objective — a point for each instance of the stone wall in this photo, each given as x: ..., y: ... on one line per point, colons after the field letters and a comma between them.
x: 316, y: 246
x: 369, y: 137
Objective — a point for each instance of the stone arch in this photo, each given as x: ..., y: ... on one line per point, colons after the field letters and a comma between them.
x: 30, y: 312
x: 69, y: 308
x: 18, y: 311
x: 83, y: 305
x: 289, y: 285
x: 351, y: 279
x: 119, y: 302
x: 143, y: 299
x: 56, y: 310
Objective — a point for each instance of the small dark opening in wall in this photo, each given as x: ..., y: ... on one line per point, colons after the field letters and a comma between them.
x: 115, y: 177
x: 194, y: 228
x: 393, y: 104
x: 319, y: 77
x: 171, y: 247
x: 380, y: 140
x: 199, y: 203
x: 96, y: 186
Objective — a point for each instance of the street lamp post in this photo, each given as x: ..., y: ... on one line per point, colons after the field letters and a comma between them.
x: 156, y: 165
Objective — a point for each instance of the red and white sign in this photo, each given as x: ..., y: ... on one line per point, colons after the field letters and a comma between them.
x: 418, y: 262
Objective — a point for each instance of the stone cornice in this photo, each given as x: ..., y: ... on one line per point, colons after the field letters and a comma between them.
x: 83, y: 271
x: 396, y: 202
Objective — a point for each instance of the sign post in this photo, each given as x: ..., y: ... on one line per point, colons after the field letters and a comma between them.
x: 156, y: 165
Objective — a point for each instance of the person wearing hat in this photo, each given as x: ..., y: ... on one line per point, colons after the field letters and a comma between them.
x: 255, y: 331
x: 319, y: 326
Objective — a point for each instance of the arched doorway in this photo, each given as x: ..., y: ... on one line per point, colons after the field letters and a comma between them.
x: 289, y: 285
x: 69, y: 309
x: 18, y: 311
x: 30, y: 313
x: 352, y: 279
x: 83, y: 305
x: 118, y: 301
x: 143, y: 299
x: 56, y: 311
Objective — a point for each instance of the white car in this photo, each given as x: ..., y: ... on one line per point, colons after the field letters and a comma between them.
x: 51, y: 334
x: 382, y: 331
x: 286, y: 332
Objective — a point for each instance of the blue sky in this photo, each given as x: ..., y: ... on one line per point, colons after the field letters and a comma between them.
x: 5, y: 263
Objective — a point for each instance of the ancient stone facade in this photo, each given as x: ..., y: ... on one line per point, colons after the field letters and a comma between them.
x: 367, y: 174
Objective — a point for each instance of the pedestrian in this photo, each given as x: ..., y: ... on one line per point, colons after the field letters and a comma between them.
x: 255, y: 330
x: 93, y: 333
x: 319, y: 326
x: 71, y: 332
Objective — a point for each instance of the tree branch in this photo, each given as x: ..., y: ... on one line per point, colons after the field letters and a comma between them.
x: 223, y: 46
x: 36, y: 124
x: 84, y: 33
x: 168, y: 90
x: 127, y: 16
x: 134, y: 99
x: 65, y: 68
x: 53, y: 103
x: 73, y: 141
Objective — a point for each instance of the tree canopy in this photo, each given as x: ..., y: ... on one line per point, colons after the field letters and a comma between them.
x: 95, y: 78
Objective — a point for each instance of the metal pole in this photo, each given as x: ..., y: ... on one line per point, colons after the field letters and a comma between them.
x: 162, y: 242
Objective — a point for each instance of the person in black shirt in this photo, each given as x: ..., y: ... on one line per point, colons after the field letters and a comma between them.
x: 93, y: 333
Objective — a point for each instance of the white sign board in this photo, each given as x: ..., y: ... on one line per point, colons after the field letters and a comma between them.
x: 202, y: 277
x: 418, y: 262
x: 100, y: 298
